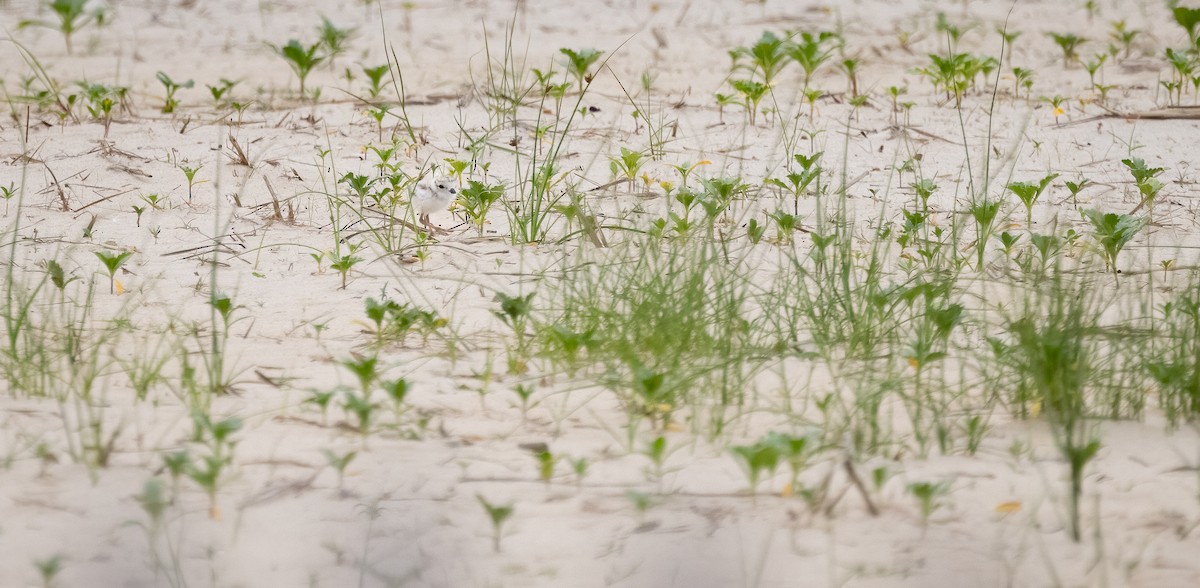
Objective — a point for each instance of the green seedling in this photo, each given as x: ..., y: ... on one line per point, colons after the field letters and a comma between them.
x: 394, y: 321
x: 627, y: 166
x: 1047, y: 246
x: 1123, y: 37
x: 397, y: 391
x: 138, y: 210
x: 785, y: 225
x: 811, y: 51
x: 579, y: 62
x: 379, y: 113
x: 516, y: 311
x: 365, y: 369
x: 339, y: 463
x: 579, y: 466
x: 171, y: 86
x: 100, y: 100
x: 656, y: 451
x: 894, y: 93
x: 343, y: 263
x: 112, y: 262
x: 1009, y: 38
x: 752, y: 93
x: 219, y: 91
x: 1189, y: 19
x: 1022, y: 78
x: 757, y: 459
x: 498, y: 514
x: 176, y: 464
x: 321, y: 399
x: 570, y: 344
x: 301, y: 59
x: 477, y: 199
x: 208, y: 476
x: 1029, y: 193
x: 984, y: 213
x: 546, y: 462
x: 457, y: 168
x: 755, y: 231
x: 924, y: 188
x: 952, y: 32
x: 1069, y: 44
x: 1077, y: 459
x: 72, y: 15
x: 155, y: 201
x: 524, y: 392
x: 360, y: 184
x: 363, y: 410
x: 333, y: 39
x: 1008, y: 241
x: 1055, y: 103
x: 1140, y: 171
x: 1167, y: 265
x: 1113, y: 231
x: 49, y: 568
x: 190, y: 174
x: 1075, y: 188
x: 724, y: 100
x: 7, y: 193
x: 1093, y: 66
x: 375, y: 77
x: 768, y: 56
x: 928, y: 497
x: 850, y: 68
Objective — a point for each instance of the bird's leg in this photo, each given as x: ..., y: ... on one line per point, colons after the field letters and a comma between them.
x: 424, y: 218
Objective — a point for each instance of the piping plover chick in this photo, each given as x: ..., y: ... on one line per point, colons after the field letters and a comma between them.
x: 432, y: 195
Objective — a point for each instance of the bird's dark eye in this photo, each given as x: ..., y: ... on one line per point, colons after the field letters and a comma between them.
x: 441, y: 186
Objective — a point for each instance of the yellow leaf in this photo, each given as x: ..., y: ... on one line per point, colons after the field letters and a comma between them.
x: 1035, y: 408
x: 118, y: 287
x: 787, y: 491
x: 1008, y: 507
x: 1058, y: 111
x: 673, y: 427
x: 914, y: 363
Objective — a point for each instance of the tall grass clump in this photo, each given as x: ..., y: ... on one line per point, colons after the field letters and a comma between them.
x: 1064, y: 355
x: 667, y: 325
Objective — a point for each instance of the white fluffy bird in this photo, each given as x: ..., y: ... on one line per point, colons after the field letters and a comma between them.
x: 432, y: 195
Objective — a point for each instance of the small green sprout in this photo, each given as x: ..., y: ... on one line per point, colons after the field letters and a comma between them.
x: 49, y: 568
x: 301, y: 59
x: 72, y: 15
x: 112, y: 262
x: 752, y: 93
x: 339, y: 463
x: 333, y: 39
x: 498, y: 514
x: 1029, y: 193
x: 7, y: 192
x: 1069, y: 44
x: 219, y: 91
x: 1113, y: 231
x: 190, y: 174
x: 928, y: 497
x: 375, y: 77
x: 171, y: 86
x: 756, y: 460
x: 579, y: 62
x: 477, y: 199
x: 627, y: 165
x: 1189, y: 19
